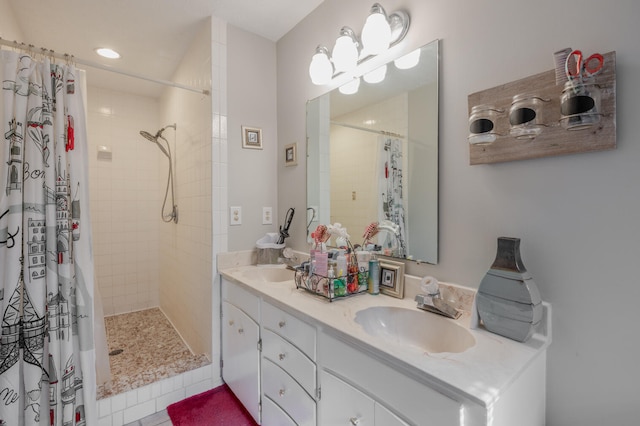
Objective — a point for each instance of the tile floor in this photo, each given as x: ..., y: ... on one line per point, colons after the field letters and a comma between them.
x: 152, y: 350
x: 158, y: 419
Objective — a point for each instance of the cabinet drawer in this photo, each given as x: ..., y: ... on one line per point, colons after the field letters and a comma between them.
x: 287, y: 394
x: 342, y: 404
x: 385, y: 417
x: 301, y: 334
x: 241, y: 298
x: 272, y: 415
x: 290, y: 359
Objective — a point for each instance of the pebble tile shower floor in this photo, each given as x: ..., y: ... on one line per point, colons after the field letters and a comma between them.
x: 151, y: 350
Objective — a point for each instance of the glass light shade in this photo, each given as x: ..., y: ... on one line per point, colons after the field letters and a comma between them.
x: 320, y: 69
x: 376, y: 34
x: 409, y: 60
x: 351, y: 87
x: 345, y: 54
x: 376, y: 76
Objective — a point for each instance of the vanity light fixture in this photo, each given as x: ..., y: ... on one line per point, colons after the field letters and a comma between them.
x: 345, y: 51
x: 376, y: 33
x: 105, y: 52
x: 321, y: 69
x: 380, y: 32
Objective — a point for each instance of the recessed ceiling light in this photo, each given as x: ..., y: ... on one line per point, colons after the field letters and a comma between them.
x: 107, y: 53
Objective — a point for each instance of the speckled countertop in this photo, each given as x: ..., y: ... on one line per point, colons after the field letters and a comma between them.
x: 480, y: 373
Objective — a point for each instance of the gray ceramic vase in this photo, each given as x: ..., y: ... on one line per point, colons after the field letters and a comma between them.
x: 508, y: 300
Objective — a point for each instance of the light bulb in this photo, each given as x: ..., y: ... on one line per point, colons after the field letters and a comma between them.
x: 376, y: 34
x: 351, y: 87
x: 320, y: 69
x: 345, y: 51
x: 376, y: 76
x: 409, y: 60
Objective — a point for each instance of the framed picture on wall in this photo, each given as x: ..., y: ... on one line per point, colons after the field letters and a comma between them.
x: 290, y: 155
x: 251, y: 137
x: 392, y: 278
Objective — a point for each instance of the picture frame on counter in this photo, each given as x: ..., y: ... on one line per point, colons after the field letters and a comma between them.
x: 392, y: 278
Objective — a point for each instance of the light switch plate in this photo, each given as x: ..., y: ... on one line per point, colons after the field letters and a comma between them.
x: 235, y: 215
x: 267, y: 216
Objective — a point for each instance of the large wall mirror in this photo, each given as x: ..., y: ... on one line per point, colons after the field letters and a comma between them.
x: 372, y: 156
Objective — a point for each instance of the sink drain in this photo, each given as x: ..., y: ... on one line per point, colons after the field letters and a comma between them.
x: 116, y: 352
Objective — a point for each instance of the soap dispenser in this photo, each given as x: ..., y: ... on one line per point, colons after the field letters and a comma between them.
x: 508, y: 299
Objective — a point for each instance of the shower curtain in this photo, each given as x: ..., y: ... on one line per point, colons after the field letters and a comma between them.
x: 47, y: 357
x: 390, y: 184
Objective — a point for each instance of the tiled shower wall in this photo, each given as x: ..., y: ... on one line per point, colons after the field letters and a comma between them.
x: 186, y: 247
x: 126, y: 195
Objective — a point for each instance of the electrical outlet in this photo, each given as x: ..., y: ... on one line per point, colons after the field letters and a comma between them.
x: 267, y: 216
x: 235, y: 215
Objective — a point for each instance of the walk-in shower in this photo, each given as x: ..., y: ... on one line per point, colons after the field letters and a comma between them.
x: 173, y: 215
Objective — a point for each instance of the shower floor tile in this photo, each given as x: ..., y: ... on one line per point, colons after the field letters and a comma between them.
x: 148, y: 350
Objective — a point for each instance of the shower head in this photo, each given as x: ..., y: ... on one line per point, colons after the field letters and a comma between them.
x: 155, y: 138
x: 148, y: 136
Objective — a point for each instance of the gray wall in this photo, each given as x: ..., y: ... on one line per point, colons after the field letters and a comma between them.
x: 577, y: 215
x: 251, y: 97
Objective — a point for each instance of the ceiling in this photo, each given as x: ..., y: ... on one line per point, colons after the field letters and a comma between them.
x: 151, y: 35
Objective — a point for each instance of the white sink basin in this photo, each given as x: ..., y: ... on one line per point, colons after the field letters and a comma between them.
x: 268, y: 274
x: 423, y: 330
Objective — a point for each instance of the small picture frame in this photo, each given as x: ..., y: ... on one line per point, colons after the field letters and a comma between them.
x: 392, y: 278
x: 291, y: 155
x: 251, y: 137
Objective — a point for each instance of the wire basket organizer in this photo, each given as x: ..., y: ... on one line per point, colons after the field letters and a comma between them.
x: 331, y: 288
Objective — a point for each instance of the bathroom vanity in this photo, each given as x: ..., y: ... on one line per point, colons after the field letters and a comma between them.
x: 294, y: 358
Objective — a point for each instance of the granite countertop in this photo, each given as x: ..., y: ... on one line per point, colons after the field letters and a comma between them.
x: 480, y: 373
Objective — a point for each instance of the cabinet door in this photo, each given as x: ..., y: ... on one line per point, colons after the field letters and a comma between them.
x: 240, y: 357
x: 342, y: 404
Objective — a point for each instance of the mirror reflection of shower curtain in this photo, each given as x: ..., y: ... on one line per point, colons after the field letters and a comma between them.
x: 47, y: 357
x: 390, y: 187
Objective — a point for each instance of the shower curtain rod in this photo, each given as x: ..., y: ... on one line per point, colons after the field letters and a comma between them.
x: 365, y: 129
x: 67, y: 57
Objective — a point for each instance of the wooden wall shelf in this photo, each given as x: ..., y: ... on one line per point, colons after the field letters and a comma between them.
x: 554, y: 139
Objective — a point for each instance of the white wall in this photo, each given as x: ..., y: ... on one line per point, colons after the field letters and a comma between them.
x: 252, y: 102
x: 577, y: 215
x: 9, y: 29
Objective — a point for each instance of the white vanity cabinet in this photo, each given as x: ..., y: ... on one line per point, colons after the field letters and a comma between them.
x: 357, y: 389
x: 288, y: 367
x: 240, y: 337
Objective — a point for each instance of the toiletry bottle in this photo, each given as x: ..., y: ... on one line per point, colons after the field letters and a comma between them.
x: 374, y: 276
x: 341, y: 264
x: 331, y: 275
x: 363, y: 269
x: 339, y: 287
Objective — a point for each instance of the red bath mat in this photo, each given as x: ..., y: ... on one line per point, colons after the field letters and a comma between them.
x: 216, y: 407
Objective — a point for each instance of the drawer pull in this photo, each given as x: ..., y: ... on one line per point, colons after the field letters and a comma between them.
x: 281, y: 356
x: 241, y: 330
x: 231, y: 322
x: 282, y: 324
x: 354, y: 421
x: 281, y: 392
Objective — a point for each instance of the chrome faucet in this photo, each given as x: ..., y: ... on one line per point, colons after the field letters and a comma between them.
x: 433, y: 302
x: 289, y: 258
